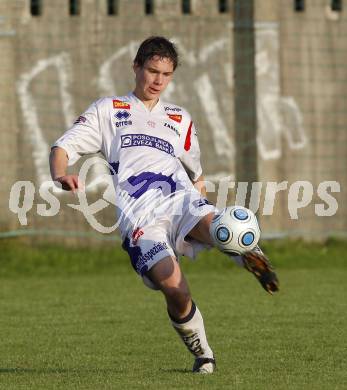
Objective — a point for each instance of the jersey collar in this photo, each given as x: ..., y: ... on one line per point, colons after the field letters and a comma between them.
x: 139, y: 103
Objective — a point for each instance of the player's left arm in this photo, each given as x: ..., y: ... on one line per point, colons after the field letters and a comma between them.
x: 199, y: 184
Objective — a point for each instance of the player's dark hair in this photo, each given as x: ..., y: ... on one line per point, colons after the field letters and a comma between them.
x: 156, y: 46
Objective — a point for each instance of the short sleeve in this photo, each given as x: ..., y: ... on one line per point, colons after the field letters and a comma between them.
x: 190, y: 157
x: 84, y: 137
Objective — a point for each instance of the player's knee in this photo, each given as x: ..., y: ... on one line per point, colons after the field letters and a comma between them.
x: 178, y: 295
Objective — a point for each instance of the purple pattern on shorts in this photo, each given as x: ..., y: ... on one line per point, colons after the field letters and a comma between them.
x: 134, y: 253
x: 140, y: 261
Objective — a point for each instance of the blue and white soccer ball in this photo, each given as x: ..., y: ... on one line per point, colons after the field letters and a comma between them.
x: 235, y: 230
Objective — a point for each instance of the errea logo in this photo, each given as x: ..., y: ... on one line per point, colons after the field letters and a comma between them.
x: 122, y: 115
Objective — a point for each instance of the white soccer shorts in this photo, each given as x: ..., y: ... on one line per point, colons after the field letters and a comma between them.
x: 165, y: 235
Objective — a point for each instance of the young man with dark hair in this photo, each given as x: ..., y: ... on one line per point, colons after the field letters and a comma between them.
x: 154, y: 155
x: 156, y: 46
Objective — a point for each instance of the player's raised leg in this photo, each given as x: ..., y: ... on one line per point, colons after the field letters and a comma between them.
x: 232, y: 237
x: 185, y: 316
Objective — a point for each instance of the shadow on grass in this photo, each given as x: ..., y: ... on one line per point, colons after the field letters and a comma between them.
x: 177, y: 370
x: 50, y: 370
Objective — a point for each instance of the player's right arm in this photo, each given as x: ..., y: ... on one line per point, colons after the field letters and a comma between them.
x: 58, y: 162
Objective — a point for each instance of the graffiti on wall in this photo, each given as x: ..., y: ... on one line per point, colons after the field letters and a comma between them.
x: 277, y: 115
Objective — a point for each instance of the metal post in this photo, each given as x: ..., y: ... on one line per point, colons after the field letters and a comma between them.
x: 245, y: 93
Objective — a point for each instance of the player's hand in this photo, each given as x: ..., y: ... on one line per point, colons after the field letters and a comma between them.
x: 70, y: 183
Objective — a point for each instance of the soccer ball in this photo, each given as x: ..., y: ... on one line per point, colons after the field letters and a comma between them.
x: 235, y: 230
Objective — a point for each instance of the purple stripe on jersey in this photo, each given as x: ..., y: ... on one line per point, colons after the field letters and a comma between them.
x: 131, y: 140
x: 114, y: 167
x: 136, y: 186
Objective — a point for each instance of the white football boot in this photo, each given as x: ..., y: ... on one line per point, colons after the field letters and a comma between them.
x: 204, y: 365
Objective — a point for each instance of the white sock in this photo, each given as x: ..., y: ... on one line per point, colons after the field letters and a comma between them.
x: 192, y: 332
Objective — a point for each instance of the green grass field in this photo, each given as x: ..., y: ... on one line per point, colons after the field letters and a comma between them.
x: 82, y: 319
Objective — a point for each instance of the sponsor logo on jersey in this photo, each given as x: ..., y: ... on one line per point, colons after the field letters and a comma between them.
x: 173, y: 128
x: 175, y: 117
x: 122, y: 115
x: 80, y: 119
x: 131, y: 140
x: 175, y: 109
x: 137, y: 233
x: 123, y: 123
x: 119, y: 104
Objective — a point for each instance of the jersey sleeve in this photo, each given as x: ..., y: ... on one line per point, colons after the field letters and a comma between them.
x: 84, y: 137
x: 190, y: 157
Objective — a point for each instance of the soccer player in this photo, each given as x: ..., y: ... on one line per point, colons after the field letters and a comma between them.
x: 153, y: 152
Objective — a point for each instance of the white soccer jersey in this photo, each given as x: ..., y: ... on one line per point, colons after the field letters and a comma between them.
x: 153, y: 155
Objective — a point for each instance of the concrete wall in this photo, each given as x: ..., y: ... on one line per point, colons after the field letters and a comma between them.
x: 312, y: 115
x: 9, y: 126
x: 56, y: 64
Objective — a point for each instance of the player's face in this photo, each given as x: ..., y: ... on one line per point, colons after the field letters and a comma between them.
x: 152, y: 78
